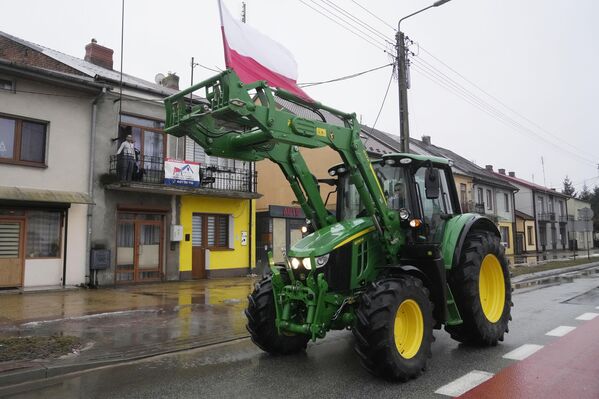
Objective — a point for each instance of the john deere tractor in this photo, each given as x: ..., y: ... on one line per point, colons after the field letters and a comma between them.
x: 397, y: 259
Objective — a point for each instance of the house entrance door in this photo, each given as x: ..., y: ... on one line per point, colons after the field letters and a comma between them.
x: 139, y: 247
x: 12, y: 253
x: 198, y: 247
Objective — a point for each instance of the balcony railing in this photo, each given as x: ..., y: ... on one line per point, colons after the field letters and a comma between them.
x: 150, y: 170
x: 546, y: 217
x: 563, y: 219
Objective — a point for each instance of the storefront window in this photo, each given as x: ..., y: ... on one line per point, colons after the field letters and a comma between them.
x: 43, y: 234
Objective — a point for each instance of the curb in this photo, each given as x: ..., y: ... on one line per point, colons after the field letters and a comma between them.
x: 10, y: 379
x: 564, y: 275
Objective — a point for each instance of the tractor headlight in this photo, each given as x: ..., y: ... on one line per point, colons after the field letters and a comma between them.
x: 322, y: 260
x: 307, y: 264
x: 295, y: 262
x: 404, y: 214
x: 304, y: 229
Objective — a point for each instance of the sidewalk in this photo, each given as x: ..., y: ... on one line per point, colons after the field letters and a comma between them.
x: 123, y: 323
x: 137, y: 321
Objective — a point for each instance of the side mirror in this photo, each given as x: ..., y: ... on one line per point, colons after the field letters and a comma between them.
x: 431, y: 183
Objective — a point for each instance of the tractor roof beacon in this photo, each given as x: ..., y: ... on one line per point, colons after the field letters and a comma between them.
x: 397, y: 260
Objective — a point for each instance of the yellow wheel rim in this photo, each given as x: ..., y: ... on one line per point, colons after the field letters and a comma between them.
x: 408, y: 329
x: 491, y: 288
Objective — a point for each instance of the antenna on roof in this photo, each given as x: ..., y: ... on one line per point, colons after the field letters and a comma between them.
x: 543, y: 165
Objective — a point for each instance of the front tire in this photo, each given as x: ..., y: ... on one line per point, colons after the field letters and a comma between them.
x: 261, y: 315
x: 482, y: 289
x: 394, y: 328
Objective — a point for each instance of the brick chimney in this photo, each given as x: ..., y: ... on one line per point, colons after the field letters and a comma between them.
x: 511, y: 174
x: 501, y: 171
x: 171, y: 81
x: 98, y: 55
x: 489, y: 167
x: 426, y: 140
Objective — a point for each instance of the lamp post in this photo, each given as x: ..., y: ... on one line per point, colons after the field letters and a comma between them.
x: 404, y: 125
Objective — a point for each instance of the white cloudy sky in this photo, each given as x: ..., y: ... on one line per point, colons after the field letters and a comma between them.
x: 538, y: 57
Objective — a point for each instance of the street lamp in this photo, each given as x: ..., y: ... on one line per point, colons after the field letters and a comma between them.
x: 404, y: 126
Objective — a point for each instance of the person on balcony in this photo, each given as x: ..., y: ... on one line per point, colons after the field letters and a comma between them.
x: 126, y: 158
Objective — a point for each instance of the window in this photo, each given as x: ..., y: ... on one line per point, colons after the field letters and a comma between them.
x: 43, y: 234
x: 434, y: 210
x: 148, y: 136
x: 489, y: 200
x: 479, y: 196
x: 529, y: 235
x: 506, y: 201
x: 505, y: 236
x: 210, y: 231
x: 463, y: 195
x: 22, y: 141
x: 7, y: 85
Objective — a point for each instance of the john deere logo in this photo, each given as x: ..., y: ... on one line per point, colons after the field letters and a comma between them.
x: 331, y: 136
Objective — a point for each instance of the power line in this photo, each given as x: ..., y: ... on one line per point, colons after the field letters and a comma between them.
x: 302, y: 85
x: 353, y: 32
x: 374, y: 15
x: 359, y: 21
x: 498, y: 100
x: 384, y: 99
x: 489, y: 107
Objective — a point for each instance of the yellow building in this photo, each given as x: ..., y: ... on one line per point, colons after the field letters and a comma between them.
x: 218, y: 239
x: 525, y: 233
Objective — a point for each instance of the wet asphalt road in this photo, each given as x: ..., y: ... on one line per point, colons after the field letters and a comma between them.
x: 329, y: 369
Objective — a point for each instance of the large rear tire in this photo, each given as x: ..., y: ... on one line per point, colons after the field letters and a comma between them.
x: 394, y: 328
x: 482, y: 290
x: 261, y: 315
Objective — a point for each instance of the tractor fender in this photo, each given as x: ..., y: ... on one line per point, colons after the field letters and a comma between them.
x: 456, y: 231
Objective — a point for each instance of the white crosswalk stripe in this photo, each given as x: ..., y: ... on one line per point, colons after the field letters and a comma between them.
x: 464, y: 383
x: 522, y: 352
x: 560, y: 331
x: 587, y: 316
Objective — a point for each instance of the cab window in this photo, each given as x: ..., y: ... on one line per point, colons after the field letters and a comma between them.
x: 434, y: 210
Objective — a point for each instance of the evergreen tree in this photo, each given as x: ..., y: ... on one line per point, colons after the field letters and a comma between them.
x: 568, y: 187
x: 584, y: 194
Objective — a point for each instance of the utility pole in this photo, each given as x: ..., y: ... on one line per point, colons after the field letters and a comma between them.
x: 404, y: 122
x: 400, y: 47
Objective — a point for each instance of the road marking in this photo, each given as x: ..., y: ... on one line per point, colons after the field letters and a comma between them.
x: 522, y: 352
x: 560, y: 331
x: 587, y: 316
x: 464, y: 383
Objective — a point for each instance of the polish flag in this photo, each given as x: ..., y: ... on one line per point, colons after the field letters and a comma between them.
x: 254, y: 56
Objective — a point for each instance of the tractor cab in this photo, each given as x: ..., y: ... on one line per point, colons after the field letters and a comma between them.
x: 418, y: 188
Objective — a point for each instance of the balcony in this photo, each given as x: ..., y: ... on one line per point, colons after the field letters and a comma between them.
x: 472, y: 207
x: 148, y: 176
x: 563, y: 219
x: 546, y: 217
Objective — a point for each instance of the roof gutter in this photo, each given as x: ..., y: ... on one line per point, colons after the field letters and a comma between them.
x: 74, y: 81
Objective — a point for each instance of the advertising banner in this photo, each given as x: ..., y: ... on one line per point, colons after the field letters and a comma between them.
x: 181, y: 173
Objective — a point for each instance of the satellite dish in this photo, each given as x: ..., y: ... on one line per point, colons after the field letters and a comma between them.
x: 158, y: 78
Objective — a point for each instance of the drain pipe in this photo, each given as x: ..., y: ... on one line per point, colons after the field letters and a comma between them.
x: 90, y: 187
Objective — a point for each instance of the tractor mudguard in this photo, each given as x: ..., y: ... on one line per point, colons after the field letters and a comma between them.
x: 457, y: 229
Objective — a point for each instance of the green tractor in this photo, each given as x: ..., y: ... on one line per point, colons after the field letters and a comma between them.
x: 397, y: 260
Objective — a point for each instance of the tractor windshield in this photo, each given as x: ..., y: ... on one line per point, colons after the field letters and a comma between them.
x: 393, y: 181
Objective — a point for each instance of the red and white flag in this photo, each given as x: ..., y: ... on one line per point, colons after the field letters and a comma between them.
x: 254, y: 56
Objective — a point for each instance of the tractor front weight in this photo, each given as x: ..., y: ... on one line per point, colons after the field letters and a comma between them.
x: 308, y: 307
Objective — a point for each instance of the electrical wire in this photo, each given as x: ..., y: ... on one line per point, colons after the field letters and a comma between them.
x: 384, y: 99
x: 359, y: 21
x: 500, y: 101
x: 353, y: 32
x: 354, y: 75
x: 374, y: 15
x: 489, y: 107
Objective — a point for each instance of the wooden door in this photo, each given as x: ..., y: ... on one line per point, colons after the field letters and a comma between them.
x: 198, y: 247
x: 12, y: 252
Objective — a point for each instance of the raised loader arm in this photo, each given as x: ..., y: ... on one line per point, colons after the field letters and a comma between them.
x: 242, y: 121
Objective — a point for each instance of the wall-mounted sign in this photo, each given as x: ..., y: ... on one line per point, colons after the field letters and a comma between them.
x: 181, y: 173
x: 244, y: 238
x: 277, y: 211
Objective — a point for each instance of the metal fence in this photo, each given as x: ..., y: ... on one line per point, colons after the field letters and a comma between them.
x: 150, y: 170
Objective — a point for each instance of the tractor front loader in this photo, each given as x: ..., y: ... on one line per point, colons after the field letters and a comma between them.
x: 397, y: 260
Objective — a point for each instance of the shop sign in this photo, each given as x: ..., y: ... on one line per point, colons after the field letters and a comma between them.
x: 181, y: 173
x: 277, y: 211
